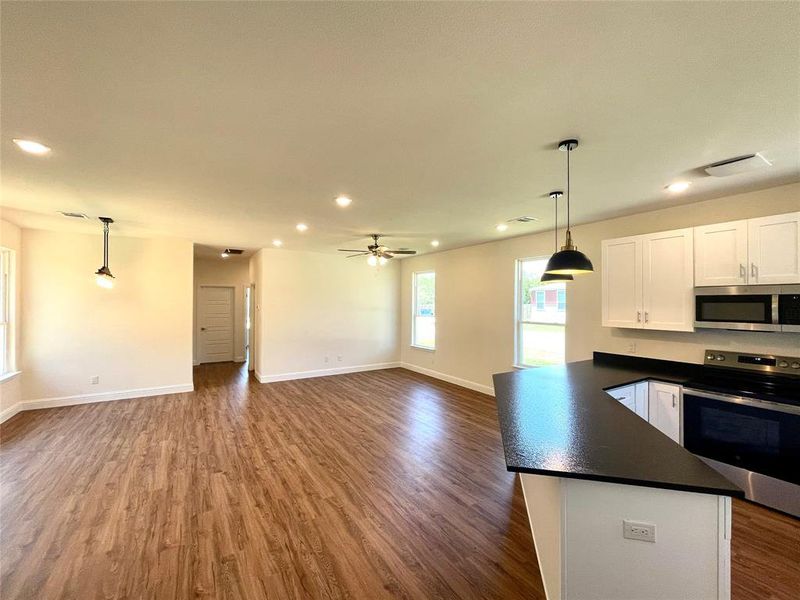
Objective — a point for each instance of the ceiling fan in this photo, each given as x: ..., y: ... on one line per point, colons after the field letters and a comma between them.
x: 376, y: 253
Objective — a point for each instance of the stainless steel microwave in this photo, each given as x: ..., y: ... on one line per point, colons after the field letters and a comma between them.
x: 748, y: 307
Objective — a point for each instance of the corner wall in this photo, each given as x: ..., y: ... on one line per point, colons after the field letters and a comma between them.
x: 137, y: 337
x: 475, y: 296
x: 11, y: 388
x: 319, y: 314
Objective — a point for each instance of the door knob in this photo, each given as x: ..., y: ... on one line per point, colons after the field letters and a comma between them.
x: 202, y: 329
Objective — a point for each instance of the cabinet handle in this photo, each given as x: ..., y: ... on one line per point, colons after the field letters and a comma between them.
x: 742, y: 271
x: 673, y: 401
x: 753, y: 270
x: 646, y: 316
x: 638, y: 316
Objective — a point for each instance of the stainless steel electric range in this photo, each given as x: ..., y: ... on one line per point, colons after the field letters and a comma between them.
x: 741, y: 415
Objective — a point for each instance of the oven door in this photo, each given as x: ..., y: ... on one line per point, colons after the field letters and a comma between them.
x: 747, y: 308
x: 755, y: 435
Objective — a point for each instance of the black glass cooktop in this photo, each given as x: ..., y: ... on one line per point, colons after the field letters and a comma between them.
x: 751, y: 385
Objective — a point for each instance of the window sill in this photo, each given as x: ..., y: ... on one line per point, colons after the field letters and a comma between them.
x: 521, y: 367
x: 426, y: 348
x: 9, y: 376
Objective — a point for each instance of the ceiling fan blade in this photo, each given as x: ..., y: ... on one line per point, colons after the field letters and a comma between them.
x: 345, y: 250
x: 402, y: 251
x: 359, y: 254
x: 387, y: 254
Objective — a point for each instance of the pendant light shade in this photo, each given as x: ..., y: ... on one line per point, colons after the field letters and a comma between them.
x: 569, y: 260
x: 103, y: 275
x: 552, y: 277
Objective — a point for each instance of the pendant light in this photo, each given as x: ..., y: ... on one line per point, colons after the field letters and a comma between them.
x: 552, y: 277
x: 568, y: 260
x: 103, y: 275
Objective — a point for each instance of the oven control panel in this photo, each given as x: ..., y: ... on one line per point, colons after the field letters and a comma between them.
x: 766, y: 363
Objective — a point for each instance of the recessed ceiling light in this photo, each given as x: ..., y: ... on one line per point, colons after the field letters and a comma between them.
x: 343, y: 201
x: 678, y: 186
x: 277, y: 243
x: 435, y: 243
x: 73, y: 215
x: 32, y: 147
x: 301, y: 227
x: 501, y: 227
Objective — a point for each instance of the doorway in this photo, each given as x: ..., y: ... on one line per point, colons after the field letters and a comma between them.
x: 215, y: 307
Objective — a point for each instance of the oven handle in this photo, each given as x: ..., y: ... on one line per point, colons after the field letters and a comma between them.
x: 764, y: 404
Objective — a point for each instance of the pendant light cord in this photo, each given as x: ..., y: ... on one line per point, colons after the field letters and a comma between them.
x: 105, y: 245
x: 569, y: 149
x: 555, y: 223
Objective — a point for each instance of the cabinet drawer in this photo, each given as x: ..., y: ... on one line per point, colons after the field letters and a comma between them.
x: 625, y: 395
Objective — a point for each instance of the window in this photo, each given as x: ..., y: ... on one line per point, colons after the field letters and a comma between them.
x: 423, y: 328
x: 540, y: 316
x: 6, y: 311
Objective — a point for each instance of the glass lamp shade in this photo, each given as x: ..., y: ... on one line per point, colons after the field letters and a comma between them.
x: 569, y: 261
x: 382, y: 260
x: 104, y: 278
x: 553, y: 278
x: 372, y: 260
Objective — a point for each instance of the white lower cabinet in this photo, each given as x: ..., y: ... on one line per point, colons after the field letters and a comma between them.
x: 664, y: 406
x: 656, y: 402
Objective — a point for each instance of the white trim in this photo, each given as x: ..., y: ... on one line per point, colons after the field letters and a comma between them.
x: 426, y: 348
x: 8, y: 376
x: 478, y: 387
x: 238, y: 359
x: 324, y: 372
x: 96, y: 397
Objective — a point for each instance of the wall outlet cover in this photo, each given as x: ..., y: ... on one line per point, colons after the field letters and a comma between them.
x: 94, y: 379
x: 636, y: 530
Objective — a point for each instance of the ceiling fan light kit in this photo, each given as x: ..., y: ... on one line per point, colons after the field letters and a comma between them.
x: 103, y: 276
x: 377, y: 255
x: 569, y: 260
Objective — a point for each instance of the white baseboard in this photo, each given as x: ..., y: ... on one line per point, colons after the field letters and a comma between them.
x: 324, y: 372
x: 478, y: 387
x: 90, y: 398
x: 238, y: 359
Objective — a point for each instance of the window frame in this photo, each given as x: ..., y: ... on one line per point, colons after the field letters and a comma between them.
x: 414, y: 343
x: 519, y: 322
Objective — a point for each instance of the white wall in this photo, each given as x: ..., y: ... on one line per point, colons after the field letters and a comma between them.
x: 11, y: 389
x: 234, y: 272
x: 313, y: 306
x: 137, y: 336
x: 475, y: 295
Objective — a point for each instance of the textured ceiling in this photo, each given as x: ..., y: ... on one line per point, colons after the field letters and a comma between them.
x: 227, y: 123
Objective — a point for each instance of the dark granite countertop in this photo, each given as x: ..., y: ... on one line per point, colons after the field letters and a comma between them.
x: 559, y: 421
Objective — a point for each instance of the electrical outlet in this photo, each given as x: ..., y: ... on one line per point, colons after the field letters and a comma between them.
x: 339, y: 358
x: 635, y: 530
x: 326, y: 359
x: 94, y: 379
x: 632, y: 347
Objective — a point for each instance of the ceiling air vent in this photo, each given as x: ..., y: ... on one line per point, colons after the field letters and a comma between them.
x: 740, y: 164
x: 523, y: 219
x: 233, y: 251
x: 73, y: 215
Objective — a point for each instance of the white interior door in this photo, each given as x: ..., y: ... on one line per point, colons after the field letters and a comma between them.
x: 215, y: 323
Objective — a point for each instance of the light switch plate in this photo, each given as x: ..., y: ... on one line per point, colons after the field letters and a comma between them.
x: 636, y: 530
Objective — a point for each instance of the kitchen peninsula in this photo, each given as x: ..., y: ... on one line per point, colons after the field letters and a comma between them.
x: 617, y: 508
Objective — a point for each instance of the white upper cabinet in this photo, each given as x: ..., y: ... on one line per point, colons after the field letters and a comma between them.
x: 622, y: 282
x: 752, y: 251
x: 774, y: 249
x: 668, y: 280
x: 648, y: 281
x: 720, y: 254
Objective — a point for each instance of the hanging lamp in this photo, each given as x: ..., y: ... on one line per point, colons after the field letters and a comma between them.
x: 552, y: 277
x: 569, y: 260
x: 103, y: 275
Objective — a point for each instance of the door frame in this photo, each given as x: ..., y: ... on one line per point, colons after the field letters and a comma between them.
x: 197, y: 318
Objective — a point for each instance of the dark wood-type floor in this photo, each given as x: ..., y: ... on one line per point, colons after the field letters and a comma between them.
x: 369, y: 485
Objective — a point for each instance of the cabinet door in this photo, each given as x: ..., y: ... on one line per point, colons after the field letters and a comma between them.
x: 668, y: 280
x: 625, y: 395
x: 640, y: 400
x: 622, y: 282
x: 720, y: 254
x: 774, y: 249
x: 664, y: 401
